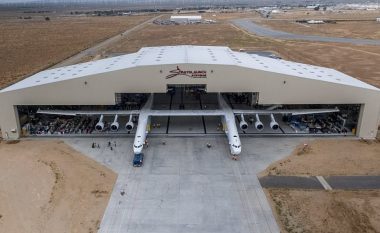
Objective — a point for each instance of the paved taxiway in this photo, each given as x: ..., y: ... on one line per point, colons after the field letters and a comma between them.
x: 186, y: 187
x: 251, y: 27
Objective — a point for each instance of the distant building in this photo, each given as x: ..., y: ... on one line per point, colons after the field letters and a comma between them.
x: 182, y: 19
x: 378, y: 19
x: 315, y: 21
x: 314, y: 7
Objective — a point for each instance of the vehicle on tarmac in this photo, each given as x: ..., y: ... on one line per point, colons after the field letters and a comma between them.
x: 138, y: 160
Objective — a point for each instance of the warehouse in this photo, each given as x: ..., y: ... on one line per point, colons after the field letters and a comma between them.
x: 189, y: 89
x: 186, y: 19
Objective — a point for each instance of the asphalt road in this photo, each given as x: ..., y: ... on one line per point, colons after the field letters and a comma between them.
x: 311, y: 182
x: 297, y: 182
x: 251, y: 27
x: 97, y: 48
x: 354, y: 182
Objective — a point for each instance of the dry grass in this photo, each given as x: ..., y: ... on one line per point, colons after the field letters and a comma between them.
x: 352, y: 29
x: 321, y: 211
x: 361, y: 62
x: 358, y: 61
x: 330, y: 157
x: 27, y: 46
x: 24, y: 57
x: 49, y: 187
x: 337, y: 14
x: 222, y: 34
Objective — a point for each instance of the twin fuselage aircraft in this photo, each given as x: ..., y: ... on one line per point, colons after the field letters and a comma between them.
x: 226, y: 113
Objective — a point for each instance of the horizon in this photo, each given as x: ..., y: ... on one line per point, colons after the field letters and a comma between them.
x: 191, y: 2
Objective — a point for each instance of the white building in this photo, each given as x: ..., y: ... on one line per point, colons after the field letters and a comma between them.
x: 183, y: 19
x: 378, y: 19
x: 315, y: 21
x: 266, y: 82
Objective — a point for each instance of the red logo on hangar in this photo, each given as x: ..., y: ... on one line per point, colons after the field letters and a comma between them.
x: 188, y: 73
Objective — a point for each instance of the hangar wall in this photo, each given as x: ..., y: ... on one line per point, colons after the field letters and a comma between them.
x: 274, y: 88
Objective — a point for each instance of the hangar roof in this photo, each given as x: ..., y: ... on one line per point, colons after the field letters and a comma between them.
x: 209, y: 55
x: 194, y: 17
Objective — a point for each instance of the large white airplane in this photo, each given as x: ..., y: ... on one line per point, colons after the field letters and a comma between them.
x: 225, y: 112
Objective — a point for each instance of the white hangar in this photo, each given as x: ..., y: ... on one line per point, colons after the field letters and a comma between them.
x: 302, y: 98
x: 186, y: 18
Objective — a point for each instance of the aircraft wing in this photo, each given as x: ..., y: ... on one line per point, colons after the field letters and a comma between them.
x: 88, y: 113
x: 216, y: 112
x: 133, y: 112
x: 293, y: 112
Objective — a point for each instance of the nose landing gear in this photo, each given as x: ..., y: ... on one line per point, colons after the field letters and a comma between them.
x: 235, y: 157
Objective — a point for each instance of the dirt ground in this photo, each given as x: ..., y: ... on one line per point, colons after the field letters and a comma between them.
x: 46, y: 186
x: 206, y: 34
x: 221, y: 33
x: 358, y: 61
x: 302, y: 13
x: 328, y: 157
x: 306, y: 211
x: 355, y: 60
x: 28, y: 46
x: 348, y: 29
x: 298, y: 210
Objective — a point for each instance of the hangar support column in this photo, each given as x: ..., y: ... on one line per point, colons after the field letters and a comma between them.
x: 368, y: 120
x: 9, y: 122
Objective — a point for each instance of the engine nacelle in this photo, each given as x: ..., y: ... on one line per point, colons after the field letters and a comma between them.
x: 243, y: 123
x: 273, y: 124
x: 129, y: 126
x: 115, y: 124
x: 258, y: 124
x: 100, y: 125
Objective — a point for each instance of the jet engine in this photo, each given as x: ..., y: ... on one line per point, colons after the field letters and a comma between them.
x: 258, y: 124
x: 115, y: 124
x: 243, y: 123
x: 273, y: 123
x: 100, y: 125
x: 129, y: 126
